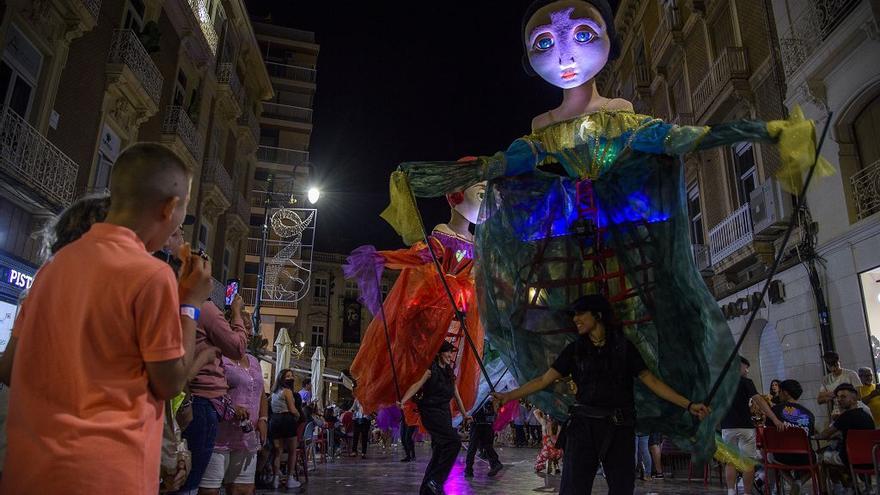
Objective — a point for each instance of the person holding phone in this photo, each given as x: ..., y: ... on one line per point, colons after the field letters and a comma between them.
x: 232, y: 286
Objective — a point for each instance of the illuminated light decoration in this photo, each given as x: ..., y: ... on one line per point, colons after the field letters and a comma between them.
x: 288, y: 274
x: 313, y: 195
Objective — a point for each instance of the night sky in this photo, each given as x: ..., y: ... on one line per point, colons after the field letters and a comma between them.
x: 398, y: 82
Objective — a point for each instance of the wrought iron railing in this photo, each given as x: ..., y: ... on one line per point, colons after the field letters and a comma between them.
x: 287, y: 112
x: 127, y: 49
x: 30, y: 158
x: 248, y: 120
x: 866, y: 190
x: 94, y: 8
x: 226, y: 75
x: 731, y: 234
x: 248, y: 295
x: 283, y: 156
x: 285, y: 32
x: 810, y: 29
x: 731, y: 63
x: 293, y: 72
x: 643, y: 75
x: 214, y: 173
x: 295, y: 99
x: 206, y: 24
x: 177, y: 122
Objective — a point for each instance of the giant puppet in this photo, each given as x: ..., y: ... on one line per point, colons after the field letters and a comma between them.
x: 417, y: 315
x: 593, y: 201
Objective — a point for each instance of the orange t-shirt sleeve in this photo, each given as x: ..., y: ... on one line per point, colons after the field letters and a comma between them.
x: 157, y: 318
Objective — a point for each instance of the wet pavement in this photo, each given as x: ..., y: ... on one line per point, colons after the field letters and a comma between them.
x: 381, y: 473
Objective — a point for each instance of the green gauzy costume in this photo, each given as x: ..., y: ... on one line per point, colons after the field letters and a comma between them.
x: 597, y: 204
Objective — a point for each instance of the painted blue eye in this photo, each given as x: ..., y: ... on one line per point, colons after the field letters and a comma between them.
x: 584, y: 36
x: 543, y: 43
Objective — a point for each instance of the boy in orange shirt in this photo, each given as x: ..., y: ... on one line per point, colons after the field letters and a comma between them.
x: 104, y: 336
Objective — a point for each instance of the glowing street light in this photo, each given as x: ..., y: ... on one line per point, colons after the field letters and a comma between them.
x: 314, y: 194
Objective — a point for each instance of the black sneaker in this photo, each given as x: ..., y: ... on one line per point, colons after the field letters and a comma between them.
x: 656, y: 476
x: 495, y: 469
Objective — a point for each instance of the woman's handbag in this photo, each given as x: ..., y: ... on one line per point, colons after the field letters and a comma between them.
x: 176, y: 460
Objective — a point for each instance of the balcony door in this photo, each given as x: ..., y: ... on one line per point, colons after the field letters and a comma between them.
x: 745, y: 172
x: 866, y: 128
x: 695, y: 213
x: 318, y: 335
x: 19, y: 72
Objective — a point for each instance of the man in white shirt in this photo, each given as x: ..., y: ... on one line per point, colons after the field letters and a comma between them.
x: 836, y: 376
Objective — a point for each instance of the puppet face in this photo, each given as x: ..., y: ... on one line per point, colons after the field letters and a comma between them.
x: 473, y: 198
x: 567, y: 43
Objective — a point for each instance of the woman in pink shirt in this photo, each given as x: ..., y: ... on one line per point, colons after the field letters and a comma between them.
x: 234, y: 460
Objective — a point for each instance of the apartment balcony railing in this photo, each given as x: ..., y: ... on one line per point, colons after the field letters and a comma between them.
x: 206, y: 24
x: 669, y: 28
x: 282, y: 156
x: 702, y: 258
x: 333, y: 352
x: 127, y: 49
x: 94, y: 7
x: 249, y: 296
x: 295, y: 99
x: 287, y: 112
x: 178, y: 123
x: 866, y: 190
x: 214, y: 173
x: 226, y: 75
x: 732, y: 63
x: 285, y: 32
x: 731, y: 234
x: 249, y: 121
x: 30, y: 158
x: 292, y: 72
x: 810, y: 29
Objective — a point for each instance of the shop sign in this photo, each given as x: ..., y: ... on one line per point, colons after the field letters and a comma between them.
x: 15, y: 279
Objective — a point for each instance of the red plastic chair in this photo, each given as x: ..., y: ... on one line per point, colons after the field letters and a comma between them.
x: 789, y: 441
x: 320, y: 440
x: 859, y: 449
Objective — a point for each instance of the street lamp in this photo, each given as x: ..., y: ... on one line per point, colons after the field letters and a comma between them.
x: 314, y: 194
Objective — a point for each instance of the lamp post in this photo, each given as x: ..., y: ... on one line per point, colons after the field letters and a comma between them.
x: 313, y: 195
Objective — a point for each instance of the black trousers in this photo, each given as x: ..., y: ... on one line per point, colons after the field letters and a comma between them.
x: 361, y: 432
x: 520, y: 435
x: 584, y: 438
x: 445, y: 445
x: 482, y: 437
x: 406, y: 438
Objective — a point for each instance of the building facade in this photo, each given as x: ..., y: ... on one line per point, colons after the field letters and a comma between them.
x: 280, y: 180
x: 704, y: 62
x: 82, y: 79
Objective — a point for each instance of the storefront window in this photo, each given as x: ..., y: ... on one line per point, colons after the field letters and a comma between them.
x: 870, y: 281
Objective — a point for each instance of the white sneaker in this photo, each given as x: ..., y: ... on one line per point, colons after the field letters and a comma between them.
x: 293, y: 483
x: 276, y: 481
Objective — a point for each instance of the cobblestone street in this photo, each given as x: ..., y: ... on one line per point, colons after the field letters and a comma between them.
x: 381, y: 473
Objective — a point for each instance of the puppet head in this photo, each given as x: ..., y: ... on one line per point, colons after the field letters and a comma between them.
x: 467, y: 203
x: 567, y: 42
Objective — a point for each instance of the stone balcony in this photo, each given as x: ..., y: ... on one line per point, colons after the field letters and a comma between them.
x: 199, y: 10
x: 730, y: 69
x: 216, y: 189
x: 810, y: 29
x: 181, y: 133
x: 133, y: 80
x: 231, y: 91
x: 29, y: 159
x: 668, y: 33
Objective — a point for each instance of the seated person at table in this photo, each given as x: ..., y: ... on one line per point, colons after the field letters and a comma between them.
x: 852, y: 417
x: 792, y: 414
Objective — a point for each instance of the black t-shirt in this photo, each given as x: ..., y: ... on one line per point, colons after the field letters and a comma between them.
x: 854, y: 419
x: 739, y: 415
x: 603, y: 375
x: 793, y: 414
x: 439, y: 389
